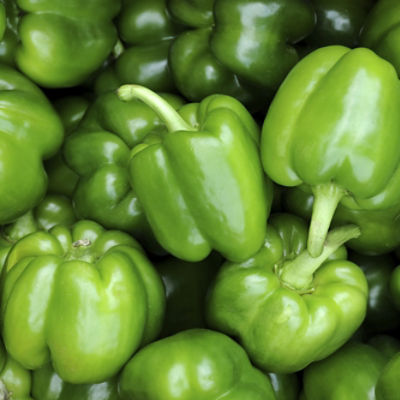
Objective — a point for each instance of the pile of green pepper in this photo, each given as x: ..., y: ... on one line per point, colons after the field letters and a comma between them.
x: 199, y: 200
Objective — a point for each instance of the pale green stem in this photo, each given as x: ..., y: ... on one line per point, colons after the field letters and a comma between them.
x: 298, y: 273
x: 164, y: 110
x: 326, y: 198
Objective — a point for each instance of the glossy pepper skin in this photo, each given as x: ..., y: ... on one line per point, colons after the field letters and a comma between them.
x: 75, y: 39
x: 147, y: 31
x: 333, y: 127
x: 23, y: 147
x: 287, y: 308
x: 109, y: 296
x: 338, y: 22
x: 351, y: 373
x: 186, y: 286
x: 52, y: 210
x: 15, y: 381
x: 207, y: 160
x: 62, y: 179
x: 47, y: 385
x: 99, y: 152
x: 9, y: 39
x: 194, y: 364
x: 382, y: 315
x: 395, y: 286
x: 380, y: 229
x: 381, y: 31
x: 240, y: 48
x: 388, y: 386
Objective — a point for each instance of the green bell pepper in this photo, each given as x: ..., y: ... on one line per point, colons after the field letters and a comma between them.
x: 201, y: 184
x: 62, y: 43
x: 9, y: 40
x: 338, y: 22
x: 333, y: 127
x: 287, y: 308
x: 147, y: 31
x: 382, y: 315
x: 24, y: 145
x: 15, y: 381
x: 240, y: 48
x: 83, y: 298
x: 62, y: 179
x: 52, y: 210
x: 394, y: 285
x: 351, y: 373
x: 194, y: 364
x: 381, y: 31
x: 47, y: 385
x: 186, y: 286
x: 99, y: 151
x: 380, y: 229
x: 388, y: 385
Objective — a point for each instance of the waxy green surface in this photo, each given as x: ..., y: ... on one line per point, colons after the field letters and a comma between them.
x: 83, y: 298
x: 99, y: 152
x: 200, y: 183
x: 15, y: 381
x: 285, y: 313
x: 23, y: 147
x: 333, y: 126
x: 338, y: 22
x: 351, y: 373
x: 194, y: 364
x: 380, y: 229
x: 146, y: 30
x: 47, y: 385
x: 381, y: 31
x: 51, y: 211
x: 62, y: 43
x: 239, y: 48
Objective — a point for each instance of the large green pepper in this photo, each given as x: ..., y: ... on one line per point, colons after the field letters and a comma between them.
x: 15, y: 381
x: 62, y: 179
x: 351, y: 373
x: 62, y: 43
x: 52, y: 210
x: 201, y: 183
x: 83, y: 298
x: 47, y: 385
x: 338, y: 22
x: 30, y: 132
x: 186, y: 286
x: 99, y: 152
x: 194, y: 364
x: 381, y: 31
x: 243, y: 48
x: 334, y: 127
x: 147, y: 31
x: 286, y: 307
x: 380, y: 229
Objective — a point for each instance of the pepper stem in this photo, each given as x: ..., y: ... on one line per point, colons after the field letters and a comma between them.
x: 4, y: 394
x: 298, y: 273
x: 326, y: 199
x: 164, y: 110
